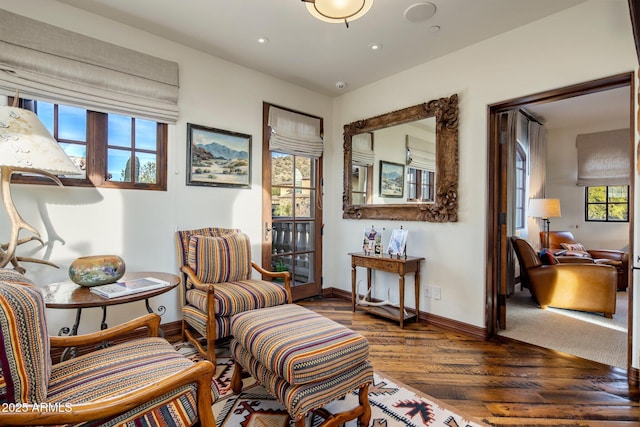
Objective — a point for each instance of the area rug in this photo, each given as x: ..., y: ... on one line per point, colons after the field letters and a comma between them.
x: 392, y: 403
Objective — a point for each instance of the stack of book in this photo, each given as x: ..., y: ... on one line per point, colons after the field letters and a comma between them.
x: 128, y: 287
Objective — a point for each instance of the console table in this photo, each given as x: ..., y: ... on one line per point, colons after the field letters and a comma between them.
x: 400, y: 266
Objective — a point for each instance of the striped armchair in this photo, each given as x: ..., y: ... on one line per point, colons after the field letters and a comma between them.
x: 216, y: 271
x: 139, y: 382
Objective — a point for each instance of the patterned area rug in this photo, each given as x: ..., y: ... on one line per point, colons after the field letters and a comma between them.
x: 392, y: 404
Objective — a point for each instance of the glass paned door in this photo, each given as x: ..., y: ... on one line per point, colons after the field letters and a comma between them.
x: 292, y: 218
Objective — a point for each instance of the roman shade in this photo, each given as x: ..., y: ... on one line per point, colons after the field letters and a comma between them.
x: 295, y: 133
x: 604, y: 158
x: 421, y: 154
x: 49, y: 63
x: 361, y: 149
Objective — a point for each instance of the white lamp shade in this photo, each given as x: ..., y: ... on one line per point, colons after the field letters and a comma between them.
x: 544, y: 208
x: 338, y: 11
x: 26, y: 143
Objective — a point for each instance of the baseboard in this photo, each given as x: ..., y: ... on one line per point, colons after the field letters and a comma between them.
x: 432, y: 319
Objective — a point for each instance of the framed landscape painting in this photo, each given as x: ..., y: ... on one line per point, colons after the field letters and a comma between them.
x: 391, y: 179
x: 218, y: 158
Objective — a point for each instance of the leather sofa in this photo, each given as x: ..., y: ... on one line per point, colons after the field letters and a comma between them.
x: 575, y: 286
x: 618, y: 259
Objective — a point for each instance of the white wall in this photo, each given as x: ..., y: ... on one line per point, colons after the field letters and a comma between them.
x: 140, y: 225
x: 562, y: 170
x: 586, y: 42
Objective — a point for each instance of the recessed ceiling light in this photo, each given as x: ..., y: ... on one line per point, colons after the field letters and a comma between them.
x: 434, y: 28
x: 375, y: 47
x: 420, y: 12
x: 263, y: 40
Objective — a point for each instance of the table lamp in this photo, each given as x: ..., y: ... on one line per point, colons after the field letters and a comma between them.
x: 26, y: 146
x: 545, y: 209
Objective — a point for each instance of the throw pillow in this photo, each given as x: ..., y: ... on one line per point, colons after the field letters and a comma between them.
x: 220, y: 259
x: 575, y: 249
x: 548, y: 258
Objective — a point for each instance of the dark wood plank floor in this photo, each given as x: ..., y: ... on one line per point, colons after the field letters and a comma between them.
x: 501, y: 382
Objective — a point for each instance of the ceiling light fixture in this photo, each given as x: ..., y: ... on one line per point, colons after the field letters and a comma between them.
x: 338, y: 11
x: 375, y: 47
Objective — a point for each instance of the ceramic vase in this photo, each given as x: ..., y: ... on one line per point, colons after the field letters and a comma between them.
x: 96, y: 270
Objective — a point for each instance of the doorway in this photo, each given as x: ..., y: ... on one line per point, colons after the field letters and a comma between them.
x: 292, y: 199
x: 497, y: 239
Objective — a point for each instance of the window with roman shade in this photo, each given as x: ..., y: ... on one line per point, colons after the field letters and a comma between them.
x: 294, y: 133
x: 362, y: 149
x: 421, y: 154
x: 604, y: 158
x: 52, y: 64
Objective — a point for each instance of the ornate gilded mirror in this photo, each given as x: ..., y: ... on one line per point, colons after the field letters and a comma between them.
x: 387, y: 177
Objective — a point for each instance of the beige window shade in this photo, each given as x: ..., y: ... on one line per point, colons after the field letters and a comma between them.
x: 362, y: 152
x: 52, y: 64
x: 604, y: 158
x: 421, y: 154
x: 294, y: 133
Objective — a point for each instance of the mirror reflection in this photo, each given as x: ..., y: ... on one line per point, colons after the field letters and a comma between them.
x: 412, y: 145
x: 403, y: 164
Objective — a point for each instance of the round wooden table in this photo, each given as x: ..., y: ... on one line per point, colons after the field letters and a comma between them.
x: 68, y: 295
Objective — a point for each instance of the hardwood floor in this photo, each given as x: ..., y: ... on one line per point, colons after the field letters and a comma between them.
x: 501, y: 382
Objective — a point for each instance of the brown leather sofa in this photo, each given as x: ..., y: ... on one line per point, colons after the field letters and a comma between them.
x: 619, y: 259
x: 575, y: 286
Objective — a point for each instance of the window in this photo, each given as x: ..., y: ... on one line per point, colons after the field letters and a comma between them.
x: 608, y: 203
x: 420, y: 185
x: 521, y: 187
x: 361, y: 184
x: 112, y: 150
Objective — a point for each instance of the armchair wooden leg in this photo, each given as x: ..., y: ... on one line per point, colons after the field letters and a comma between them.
x: 363, y: 399
x: 236, y: 378
x: 211, y: 351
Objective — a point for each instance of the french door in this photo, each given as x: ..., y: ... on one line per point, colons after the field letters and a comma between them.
x: 292, y: 216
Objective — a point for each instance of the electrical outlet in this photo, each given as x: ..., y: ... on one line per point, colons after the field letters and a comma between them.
x: 427, y: 291
x: 436, y: 292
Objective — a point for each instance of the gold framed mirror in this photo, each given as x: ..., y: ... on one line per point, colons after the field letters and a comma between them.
x: 443, y: 206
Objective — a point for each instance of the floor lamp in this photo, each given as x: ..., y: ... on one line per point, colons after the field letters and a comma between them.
x: 26, y: 146
x: 545, y: 209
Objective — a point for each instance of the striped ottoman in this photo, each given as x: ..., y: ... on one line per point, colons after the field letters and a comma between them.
x: 304, y: 359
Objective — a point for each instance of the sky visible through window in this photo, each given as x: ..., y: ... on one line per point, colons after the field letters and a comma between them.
x: 72, y: 126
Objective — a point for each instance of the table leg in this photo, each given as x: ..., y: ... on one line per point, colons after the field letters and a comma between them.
x: 401, y: 283
x: 368, y: 296
x: 70, y: 352
x: 354, y: 291
x: 161, y: 310
x: 417, y: 293
x: 103, y: 323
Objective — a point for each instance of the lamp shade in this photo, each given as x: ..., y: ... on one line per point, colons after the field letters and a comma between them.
x: 338, y: 11
x: 544, y: 208
x: 25, y: 143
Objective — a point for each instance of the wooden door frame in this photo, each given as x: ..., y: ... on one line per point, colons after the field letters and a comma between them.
x: 302, y: 291
x: 496, y: 239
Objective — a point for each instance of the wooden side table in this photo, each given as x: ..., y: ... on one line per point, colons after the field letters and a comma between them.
x: 68, y: 295
x: 400, y: 266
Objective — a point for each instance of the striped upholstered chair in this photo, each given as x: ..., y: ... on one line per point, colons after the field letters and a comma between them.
x: 216, y: 284
x: 139, y: 382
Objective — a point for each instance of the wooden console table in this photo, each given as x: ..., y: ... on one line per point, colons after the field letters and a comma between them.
x: 401, y: 266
